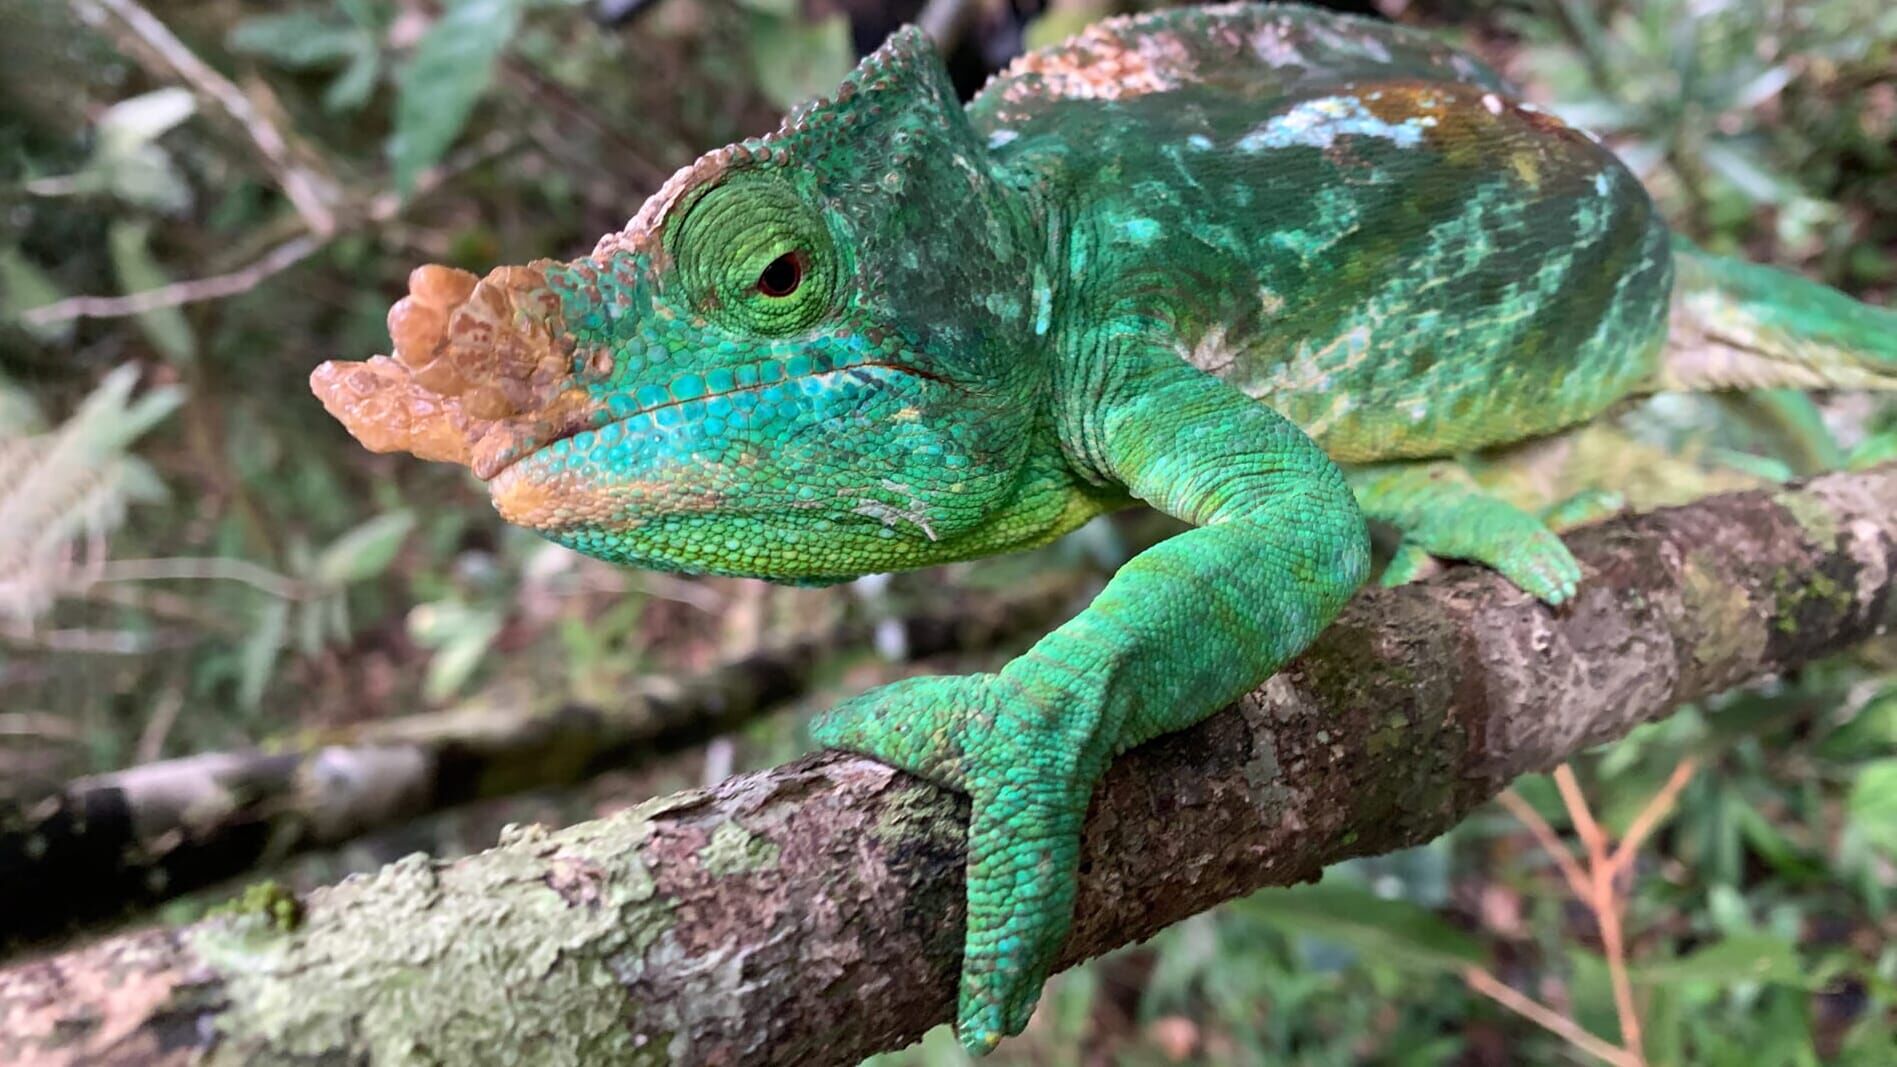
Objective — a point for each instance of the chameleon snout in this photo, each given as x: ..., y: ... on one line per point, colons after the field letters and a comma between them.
x: 480, y: 373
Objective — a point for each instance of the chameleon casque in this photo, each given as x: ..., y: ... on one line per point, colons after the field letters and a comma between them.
x: 1268, y: 269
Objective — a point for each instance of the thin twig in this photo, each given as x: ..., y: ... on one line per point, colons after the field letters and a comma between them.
x: 277, y: 260
x: 1653, y: 814
x: 1607, y: 908
x: 602, y: 579
x: 570, y: 110
x: 208, y: 568
x: 165, y: 604
x: 305, y: 190
x: 106, y: 642
x: 385, y: 206
x: 381, y: 208
x: 1585, y: 827
x: 1552, y: 1021
x: 42, y: 725
x: 151, y: 740
x: 1544, y: 834
x: 1604, y: 899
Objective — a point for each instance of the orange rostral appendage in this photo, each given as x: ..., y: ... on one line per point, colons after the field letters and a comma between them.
x: 480, y: 375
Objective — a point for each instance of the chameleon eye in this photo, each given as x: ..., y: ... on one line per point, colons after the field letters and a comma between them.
x: 754, y: 258
x: 782, y: 276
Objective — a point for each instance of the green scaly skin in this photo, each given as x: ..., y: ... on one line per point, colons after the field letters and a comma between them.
x: 1194, y: 260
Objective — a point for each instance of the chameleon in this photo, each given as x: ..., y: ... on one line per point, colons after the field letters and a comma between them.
x: 1271, y: 270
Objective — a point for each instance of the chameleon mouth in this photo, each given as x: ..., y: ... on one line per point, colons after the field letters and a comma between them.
x: 664, y: 404
x: 571, y: 481
x: 484, y: 373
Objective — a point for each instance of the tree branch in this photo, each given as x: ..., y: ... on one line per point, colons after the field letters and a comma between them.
x: 108, y: 844
x: 214, y: 287
x: 812, y: 913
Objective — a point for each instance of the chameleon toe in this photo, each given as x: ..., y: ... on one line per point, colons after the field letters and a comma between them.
x: 1410, y: 563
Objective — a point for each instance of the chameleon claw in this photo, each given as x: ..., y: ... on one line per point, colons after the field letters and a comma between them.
x: 981, y: 1043
x: 1542, y: 568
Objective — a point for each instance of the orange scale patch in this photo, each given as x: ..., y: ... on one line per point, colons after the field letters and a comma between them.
x: 1100, y: 64
x: 568, y: 499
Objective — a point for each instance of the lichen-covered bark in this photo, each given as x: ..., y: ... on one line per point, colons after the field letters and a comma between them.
x: 110, y: 844
x: 812, y: 913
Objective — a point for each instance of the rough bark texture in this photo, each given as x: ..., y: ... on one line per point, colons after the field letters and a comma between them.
x: 111, y: 844
x: 811, y: 913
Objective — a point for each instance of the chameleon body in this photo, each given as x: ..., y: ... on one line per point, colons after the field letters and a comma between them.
x: 1195, y: 259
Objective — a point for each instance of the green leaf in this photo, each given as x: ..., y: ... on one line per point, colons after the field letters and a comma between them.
x: 1873, y: 804
x: 456, y: 660
x: 797, y: 59
x: 1394, y: 931
x: 1775, y: 847
x: 147, y: 178
x: 19, y: 415
x: 1748, y: 173
x: 352, y: 87
x: 362, y: 13
x: 261, y: 648
x: 165, y: 327
x: 22, y: 286
x: 364, y: 552
x: 302, y: 40
x: 125, y: 160
x: 1761, y: 87
x: 297, y: 40
x: 1740, y: 958
x: 1871, y: 734
x: 311, y: 622
x: 140, y: 120
x: 452, y: 66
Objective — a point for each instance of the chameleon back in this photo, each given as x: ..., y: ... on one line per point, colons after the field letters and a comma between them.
x: 1382, y: 244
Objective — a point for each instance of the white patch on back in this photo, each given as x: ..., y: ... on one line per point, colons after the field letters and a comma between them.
x: 1319, y: 123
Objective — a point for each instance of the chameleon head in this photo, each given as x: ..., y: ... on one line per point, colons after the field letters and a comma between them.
x: 805, y: 358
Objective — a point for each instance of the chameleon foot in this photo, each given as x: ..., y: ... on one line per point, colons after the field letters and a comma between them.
x: 1501, y: 536
x: 1014, y: 754
x: 1441, y: 511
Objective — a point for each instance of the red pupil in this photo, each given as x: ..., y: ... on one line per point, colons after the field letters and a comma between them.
x: 783, y: 276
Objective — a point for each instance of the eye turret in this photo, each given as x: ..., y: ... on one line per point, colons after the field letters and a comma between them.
x: 756, y: 258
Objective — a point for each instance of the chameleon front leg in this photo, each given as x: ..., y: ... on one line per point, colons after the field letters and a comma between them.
x: 1183, y: 629
x: 1441, y: 511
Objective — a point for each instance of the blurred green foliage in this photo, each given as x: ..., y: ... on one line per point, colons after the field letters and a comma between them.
x: 192, y: 556
x: 1768, y: 127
